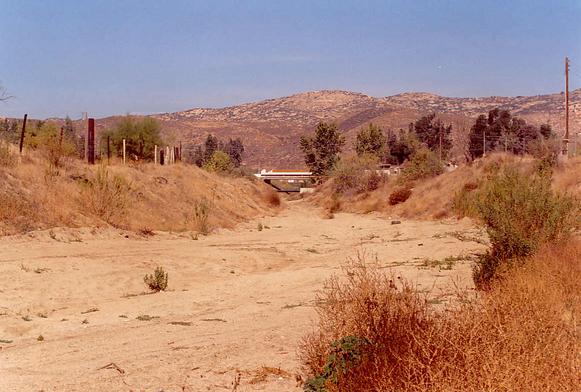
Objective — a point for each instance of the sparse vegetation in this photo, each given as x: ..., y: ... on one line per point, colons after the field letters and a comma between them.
x: 106, y: 195
x: 156, y: 281
x: 145, y: 317
x: 520, y: 335
x: 201, y: 216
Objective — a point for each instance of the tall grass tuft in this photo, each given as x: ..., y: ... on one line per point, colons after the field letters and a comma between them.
x: 200, y: 216
x: 106, y: 195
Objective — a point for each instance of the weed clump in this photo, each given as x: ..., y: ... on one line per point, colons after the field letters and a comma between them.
x: 106, y: 195
x: 201, y: 216
x: 156, y: 281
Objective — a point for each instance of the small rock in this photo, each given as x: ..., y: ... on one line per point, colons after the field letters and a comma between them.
x: 395, y: 222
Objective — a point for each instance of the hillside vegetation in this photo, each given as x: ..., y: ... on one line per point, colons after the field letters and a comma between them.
x: 434, y: 198
x: 139, y: 198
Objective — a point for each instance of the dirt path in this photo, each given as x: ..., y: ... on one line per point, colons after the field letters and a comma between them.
x: 238, y: 301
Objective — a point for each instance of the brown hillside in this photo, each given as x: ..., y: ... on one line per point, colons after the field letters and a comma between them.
x: 271, y: 129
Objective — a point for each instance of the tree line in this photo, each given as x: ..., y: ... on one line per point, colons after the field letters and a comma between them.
x: 502, y: 131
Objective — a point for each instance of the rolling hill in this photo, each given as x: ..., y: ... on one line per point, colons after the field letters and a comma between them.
x: 271, y: 129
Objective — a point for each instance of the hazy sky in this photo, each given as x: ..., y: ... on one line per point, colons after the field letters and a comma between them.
x: 115, y: 57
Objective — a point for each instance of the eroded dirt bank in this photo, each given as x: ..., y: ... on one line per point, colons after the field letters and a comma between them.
x: 238, y: 300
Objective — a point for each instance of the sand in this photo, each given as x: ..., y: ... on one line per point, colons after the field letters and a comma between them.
x: 237, y: 304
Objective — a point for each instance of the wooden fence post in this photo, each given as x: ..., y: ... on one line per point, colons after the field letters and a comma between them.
x: 91, y: 141
x: 22, y: 133
x: 155, y: 155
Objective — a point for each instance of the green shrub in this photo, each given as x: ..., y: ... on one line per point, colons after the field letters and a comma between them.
x: 345, y: 353
x: 357, y: 175
x: 399, y: 195
x: 219, y: 162
x: 156, y: 281
x: 423, y: 163
x: 521, y: 213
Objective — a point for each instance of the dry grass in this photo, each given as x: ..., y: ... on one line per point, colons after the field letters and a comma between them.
x: 375, y: 333
x: 129, y: 197
x: 433, y: 198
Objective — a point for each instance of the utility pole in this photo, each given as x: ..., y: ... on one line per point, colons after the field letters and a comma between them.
x: 566, y: 139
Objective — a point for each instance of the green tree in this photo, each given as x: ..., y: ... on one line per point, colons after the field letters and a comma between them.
x: 371, y: 141
x: 434, y: 134
x: 501, y: 131
x: 210, y: 146
x: 235, y: 149
x: 400, y: 148
x: 141, y: 136
x: 322, y: 150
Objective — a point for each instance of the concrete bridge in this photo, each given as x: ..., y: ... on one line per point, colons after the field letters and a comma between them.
x: 295, y: 176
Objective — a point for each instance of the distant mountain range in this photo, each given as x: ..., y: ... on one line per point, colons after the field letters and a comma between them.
x: 270, y: 129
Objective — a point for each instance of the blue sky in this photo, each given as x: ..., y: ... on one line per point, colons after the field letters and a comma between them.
x: 120, y: 56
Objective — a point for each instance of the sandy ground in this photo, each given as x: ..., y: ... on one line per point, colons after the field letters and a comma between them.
x: 237, y: 305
